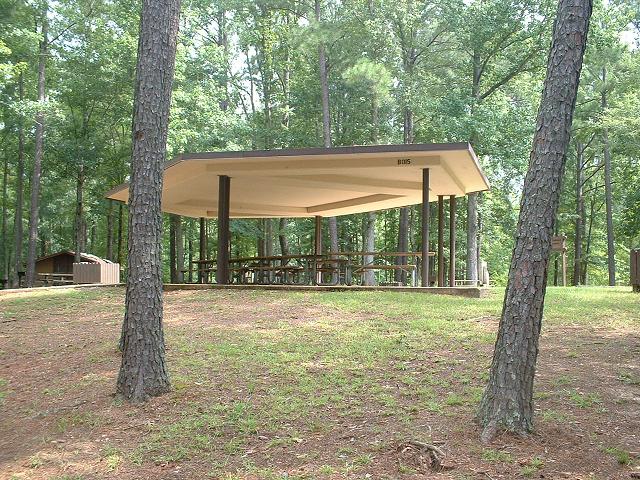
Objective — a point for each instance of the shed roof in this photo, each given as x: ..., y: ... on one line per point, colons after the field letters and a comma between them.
x: 316, y: 181
x: 84, y: 257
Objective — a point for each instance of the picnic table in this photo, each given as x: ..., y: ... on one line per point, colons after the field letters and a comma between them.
x: 55, y: 278
x: 383, y: 264
x: 295, y: 269
x: 327, y: 269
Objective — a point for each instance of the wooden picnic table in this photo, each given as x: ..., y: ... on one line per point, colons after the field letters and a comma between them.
x: 311, y: 268
x: 382, y: 254
x: 264, y: 269
x: 360, y: 268
x: 56, y: 278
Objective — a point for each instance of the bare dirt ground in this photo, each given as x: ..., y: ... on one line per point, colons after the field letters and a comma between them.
x: 306, y: 385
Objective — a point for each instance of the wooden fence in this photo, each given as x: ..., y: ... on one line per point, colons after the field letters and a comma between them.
x: 108, y: 273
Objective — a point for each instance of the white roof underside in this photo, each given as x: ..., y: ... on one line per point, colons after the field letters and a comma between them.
x: 316, y: 181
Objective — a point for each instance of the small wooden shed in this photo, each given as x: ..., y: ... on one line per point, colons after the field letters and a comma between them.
x: 62, y: 261
x: 91, y: 269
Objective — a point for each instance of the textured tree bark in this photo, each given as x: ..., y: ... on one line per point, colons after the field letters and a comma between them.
x: 555, y: 260
x: 507, y: 402
x: 608, y: 195
x: 368, y: 240
x: 34, y: 211
x: 143, y: 371
x: 17, y: 224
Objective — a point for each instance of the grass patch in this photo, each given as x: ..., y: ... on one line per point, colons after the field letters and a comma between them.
x: 623, y: 457
x: 584, y: 400
x: 532, y: 467
x: 496, y: 456
x: 76, y: 420
x: 629, y: 378
x: 260, y: 375
x: 3, y: 390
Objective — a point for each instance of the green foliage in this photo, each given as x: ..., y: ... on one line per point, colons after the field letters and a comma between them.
x: 247, y: 77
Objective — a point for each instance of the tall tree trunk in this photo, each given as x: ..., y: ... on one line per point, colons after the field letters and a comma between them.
x: 369, y: 221
x: 403, y: 219
x: 375, y: 118
x: 556, y: 263
x: 579, y: 223
x: 79, y: 217
x: 473, y: 232
x: 268, y: 237
x: 262, y: 234
x: 110, y: 231
x: 92, y: 238
x: 143, y: 371
x: 17, y: 224
x: 611, y: 249
x: 507, y: 402
x: 190, y: 261
x: 252, y: 89
x: 223, y: 40
x: 585, y: 263
x: 173, y: 276
x: 4, y: 248
x: 403, y: 242
x: 368, y: 245
x: 282, y: 237
x: 34, y: 213
x: 286, y: 75
x: 179, y: 249
x: 326, y: 121
x: 472, y: 237
x: 120, y: 222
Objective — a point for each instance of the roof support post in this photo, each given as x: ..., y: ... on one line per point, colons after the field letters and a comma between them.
x: 202, y: 251
x: 452, y: 241
x: 425, y: 227
x: 441, y: 240
x: 222, y: 266
x: 317, y: 246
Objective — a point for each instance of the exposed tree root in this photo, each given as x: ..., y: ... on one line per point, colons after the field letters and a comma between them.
x: 425, y: 456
